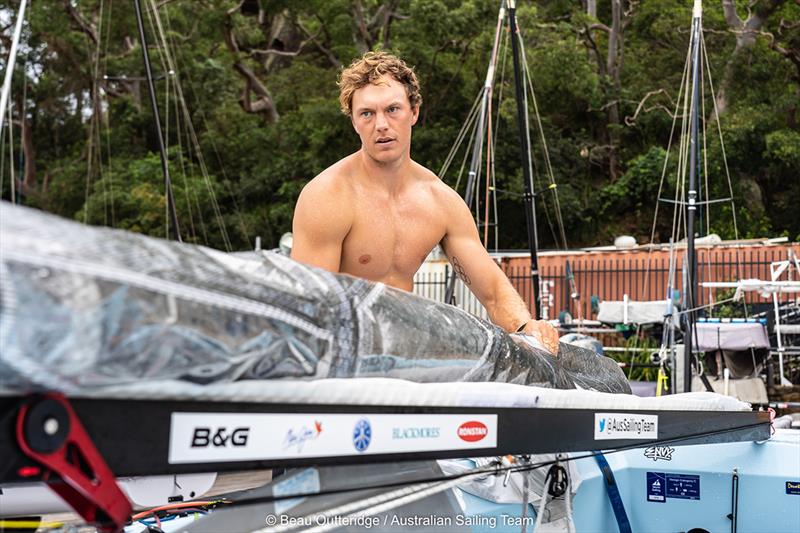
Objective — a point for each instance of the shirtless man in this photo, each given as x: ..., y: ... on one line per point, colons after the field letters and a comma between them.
x: 376, y: 214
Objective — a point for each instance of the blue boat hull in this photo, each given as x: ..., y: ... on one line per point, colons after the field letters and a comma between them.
x: 694, y: 490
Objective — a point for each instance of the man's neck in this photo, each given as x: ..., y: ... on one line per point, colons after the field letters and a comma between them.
x: 391, y: 175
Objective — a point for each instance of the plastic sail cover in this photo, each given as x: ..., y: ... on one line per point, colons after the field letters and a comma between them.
x: 84, y: 307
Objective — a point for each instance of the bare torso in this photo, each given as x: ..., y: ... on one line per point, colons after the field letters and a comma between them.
x: 382, y: 227
x: 391, y: 232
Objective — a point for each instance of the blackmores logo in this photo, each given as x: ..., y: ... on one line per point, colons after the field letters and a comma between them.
x: 221, y: 438
x: 472, y: 431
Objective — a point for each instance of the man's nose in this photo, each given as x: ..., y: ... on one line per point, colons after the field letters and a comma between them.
x: 380, y: 122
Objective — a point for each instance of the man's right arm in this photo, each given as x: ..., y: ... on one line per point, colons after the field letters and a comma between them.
x: 321, y: 222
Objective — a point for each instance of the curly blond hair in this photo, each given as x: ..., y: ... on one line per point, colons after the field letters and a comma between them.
x: 368, y: 69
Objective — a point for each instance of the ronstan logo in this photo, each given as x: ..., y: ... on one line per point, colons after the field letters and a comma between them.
x: 472, y: 431
x: 221, y: 438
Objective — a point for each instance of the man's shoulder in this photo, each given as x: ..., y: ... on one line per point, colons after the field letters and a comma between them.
x: 442, y: 192
x: 334, y: 180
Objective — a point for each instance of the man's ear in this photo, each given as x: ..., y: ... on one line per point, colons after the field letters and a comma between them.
x: 353, y: 123
x: 415, y: 116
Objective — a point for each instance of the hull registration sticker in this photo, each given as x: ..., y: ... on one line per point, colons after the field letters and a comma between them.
x: 617, y: 426
x: 663, y: 485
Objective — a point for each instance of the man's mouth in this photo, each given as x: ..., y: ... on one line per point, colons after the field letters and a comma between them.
x: 384, y: 140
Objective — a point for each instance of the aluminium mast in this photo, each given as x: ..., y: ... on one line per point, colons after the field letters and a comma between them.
x: 691, y: 259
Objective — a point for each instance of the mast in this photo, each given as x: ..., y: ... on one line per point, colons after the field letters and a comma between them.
x: 477, y: 145
x: 12, y: 58
x: 525, y: 149
x: 174, y: 229
x: 691, y: 200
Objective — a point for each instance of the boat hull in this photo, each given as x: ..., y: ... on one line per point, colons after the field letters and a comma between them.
x: 765, y: 501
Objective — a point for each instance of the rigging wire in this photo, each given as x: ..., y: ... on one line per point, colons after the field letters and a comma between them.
x: 707, y: 190
x: 535, y: 174
x: 504, y: 55
x: 94, y: 145
x: 465, y: 127
x: 188, y: 120
x: 739, y: 269
x: 201, y: 113
x: 489, y: 88
x: 171, y: 220
x: 169, y: 87
x: 13, y: 175
x: 180, y: 156
x: 2, y: 159
x: 106, y: 118
x: 12, y: 58
x: 545, y: 151
x: 672, y: 248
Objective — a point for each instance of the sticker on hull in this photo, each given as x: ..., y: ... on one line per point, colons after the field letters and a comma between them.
x: 663, y: 485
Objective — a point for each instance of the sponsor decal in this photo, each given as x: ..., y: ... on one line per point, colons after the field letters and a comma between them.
x: 610, y: 426
x: 661, y: 485
x: 416, y: 433
x: 210, y: 437
x: 472, y: 431
x: 793, y: 487
x: 296, y: 438
x: 659, y: 452
x: 221, y: 437
x: 362, y: 435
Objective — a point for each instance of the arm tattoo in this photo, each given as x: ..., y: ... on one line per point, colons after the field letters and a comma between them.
x: 459, y: 268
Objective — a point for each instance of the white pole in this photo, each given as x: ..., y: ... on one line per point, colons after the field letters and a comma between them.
x: 12, y: 57
x: 727, y: 374
x: 775, y: 274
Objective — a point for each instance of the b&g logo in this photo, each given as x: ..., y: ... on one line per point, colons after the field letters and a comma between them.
x: 221, y: 438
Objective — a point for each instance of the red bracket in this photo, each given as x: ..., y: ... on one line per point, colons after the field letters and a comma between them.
x: 50, y: 433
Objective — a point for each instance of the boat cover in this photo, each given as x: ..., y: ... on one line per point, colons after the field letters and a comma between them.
x: 732, y: 336
x: 632, y: 312
x: 85, y: 309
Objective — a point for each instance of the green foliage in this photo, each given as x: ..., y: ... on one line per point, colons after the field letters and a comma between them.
x: 638, y: 349
x: 98, y: 162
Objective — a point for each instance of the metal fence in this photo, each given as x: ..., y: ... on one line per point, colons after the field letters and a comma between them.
x: 638, y: 276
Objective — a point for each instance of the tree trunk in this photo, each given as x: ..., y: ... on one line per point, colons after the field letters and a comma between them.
x: 613, y: 69
x: 746, y: 32
x: 591, y: 8
x: 29, y: 178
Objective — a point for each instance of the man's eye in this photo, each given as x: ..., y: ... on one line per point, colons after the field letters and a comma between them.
x: 392, y: 109
x: 366, y: 113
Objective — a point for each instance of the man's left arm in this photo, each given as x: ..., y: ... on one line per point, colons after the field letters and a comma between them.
x: 484, y: 278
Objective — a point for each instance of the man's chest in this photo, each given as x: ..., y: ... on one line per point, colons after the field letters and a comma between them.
x: 391, y: 238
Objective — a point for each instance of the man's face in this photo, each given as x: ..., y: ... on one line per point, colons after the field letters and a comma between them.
x: 383, y: 117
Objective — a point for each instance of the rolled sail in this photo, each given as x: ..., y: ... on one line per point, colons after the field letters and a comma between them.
x: 83, y: 307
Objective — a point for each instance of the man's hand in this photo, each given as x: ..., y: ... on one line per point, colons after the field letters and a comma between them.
x: 542, y: 331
